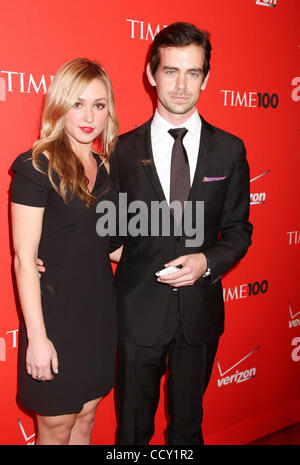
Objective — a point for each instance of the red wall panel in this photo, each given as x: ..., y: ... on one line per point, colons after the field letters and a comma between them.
x: 253, y: 92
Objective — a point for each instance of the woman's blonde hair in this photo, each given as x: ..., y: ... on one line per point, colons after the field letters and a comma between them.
x: 68, y: 84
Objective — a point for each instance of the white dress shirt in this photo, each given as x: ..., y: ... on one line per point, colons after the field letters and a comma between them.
x: 162, y: 144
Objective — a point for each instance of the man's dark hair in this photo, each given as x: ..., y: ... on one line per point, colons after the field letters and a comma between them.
x: 180, y: 35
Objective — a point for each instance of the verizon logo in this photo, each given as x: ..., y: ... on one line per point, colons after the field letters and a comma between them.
x: 26, y: 438
x: 258, y: 197
x: 294, y: 321
x: 238, y: 376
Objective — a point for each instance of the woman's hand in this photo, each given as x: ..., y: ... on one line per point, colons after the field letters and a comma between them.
x: 41, y: 356
x: 114, y: 256
x: 40, y: 266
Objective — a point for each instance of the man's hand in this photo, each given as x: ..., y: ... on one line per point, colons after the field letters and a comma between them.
x: 193, y: 267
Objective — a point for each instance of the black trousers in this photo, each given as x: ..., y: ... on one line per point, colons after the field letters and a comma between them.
x: 138, y: 385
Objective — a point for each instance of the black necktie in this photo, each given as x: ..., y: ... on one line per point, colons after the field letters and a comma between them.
x: 180, y: 171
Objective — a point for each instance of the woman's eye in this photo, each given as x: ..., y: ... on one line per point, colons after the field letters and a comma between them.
x: 99, y: 106
x: 77, y: 105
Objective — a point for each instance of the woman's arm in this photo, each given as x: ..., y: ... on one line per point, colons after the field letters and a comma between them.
x: 27, y: 228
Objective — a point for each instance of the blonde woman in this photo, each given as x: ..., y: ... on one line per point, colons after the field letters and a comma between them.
x: 68, y: 332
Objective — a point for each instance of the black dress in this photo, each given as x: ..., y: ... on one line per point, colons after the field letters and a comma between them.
x: 77, y: 291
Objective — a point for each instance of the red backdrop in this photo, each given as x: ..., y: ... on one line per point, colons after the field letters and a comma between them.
x: 253, y: 92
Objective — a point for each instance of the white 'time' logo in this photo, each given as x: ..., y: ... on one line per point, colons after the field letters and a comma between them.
x: 24, y: 83
x: 142, y: 30
x: 13, y: 343
x: 2, y: 90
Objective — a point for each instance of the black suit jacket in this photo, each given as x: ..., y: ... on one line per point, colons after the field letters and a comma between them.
x: 142, y: 301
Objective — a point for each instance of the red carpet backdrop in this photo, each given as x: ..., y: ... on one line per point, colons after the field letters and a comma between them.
x: 253, y: 92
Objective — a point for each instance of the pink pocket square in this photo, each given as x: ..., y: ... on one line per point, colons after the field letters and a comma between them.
x: 219, y: 178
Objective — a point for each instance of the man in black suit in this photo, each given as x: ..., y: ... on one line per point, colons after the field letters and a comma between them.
x: 175, y: 321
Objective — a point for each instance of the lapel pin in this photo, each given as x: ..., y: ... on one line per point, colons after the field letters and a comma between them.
x: 145, y: 162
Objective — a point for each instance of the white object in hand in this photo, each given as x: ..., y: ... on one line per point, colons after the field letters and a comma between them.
x: 167, y: 270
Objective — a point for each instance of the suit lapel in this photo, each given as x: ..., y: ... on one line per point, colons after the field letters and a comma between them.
x: 207, y: 144
x: 146, y: 161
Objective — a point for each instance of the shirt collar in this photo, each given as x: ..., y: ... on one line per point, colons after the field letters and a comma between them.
x: 160, y: 126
